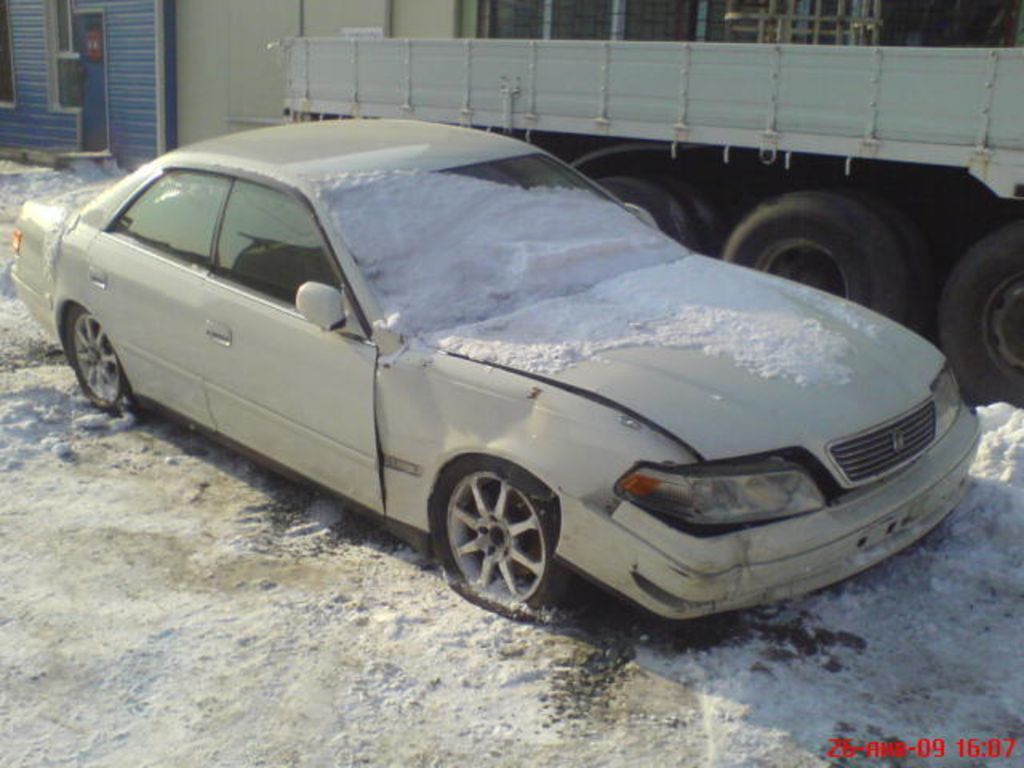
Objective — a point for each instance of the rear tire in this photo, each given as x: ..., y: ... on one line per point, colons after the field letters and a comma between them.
x: 672, y: 218
x: 828, y: 241
x: 710, y: 219
x: 923, y: 288
x: 981, y: 318
x: 495, y: 528
x: 94, y: 360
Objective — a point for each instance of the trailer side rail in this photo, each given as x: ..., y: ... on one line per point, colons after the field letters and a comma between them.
x: 953, y: 107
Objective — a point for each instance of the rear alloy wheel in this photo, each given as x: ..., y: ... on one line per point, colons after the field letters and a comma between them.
x: 981, y: 318
x: 94, y: 361
x: 496, y: 528
x: 828, y: 241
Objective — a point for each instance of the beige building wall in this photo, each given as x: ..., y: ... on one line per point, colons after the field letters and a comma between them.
x: 426, y: 18
x: 327, y: 17
x: 228, y: 78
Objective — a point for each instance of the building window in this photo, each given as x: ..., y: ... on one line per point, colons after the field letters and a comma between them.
x: 662, y: 19
x: 66, y: 61
x: 516, y: 19
x: 6, y: 56
x: 598, y: 19
x: 986, y: 23
x: 581, y: 19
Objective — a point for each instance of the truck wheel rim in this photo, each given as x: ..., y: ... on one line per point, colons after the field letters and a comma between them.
x: 1005, y: 319
x: 806, y: 262
x: 496, y: 537
x: 96, y: 359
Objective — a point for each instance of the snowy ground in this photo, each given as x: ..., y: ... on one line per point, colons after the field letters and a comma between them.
x: 167, y: 603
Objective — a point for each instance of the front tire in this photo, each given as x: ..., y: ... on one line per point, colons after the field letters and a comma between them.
x: 94, y: 361
x: 496, y: 527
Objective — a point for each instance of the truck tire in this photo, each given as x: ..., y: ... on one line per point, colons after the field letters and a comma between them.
x: 672, y: 218
x: 981, y: 318
x: 709, y: 217
x: 829, y: 241
x: 923, y: 286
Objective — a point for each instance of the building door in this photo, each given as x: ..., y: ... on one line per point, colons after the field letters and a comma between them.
x: 91, y: 44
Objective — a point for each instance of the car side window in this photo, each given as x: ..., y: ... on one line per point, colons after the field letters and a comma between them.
x: 270, y: 242
x: 177, y: 215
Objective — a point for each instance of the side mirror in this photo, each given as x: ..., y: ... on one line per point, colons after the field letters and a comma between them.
x: 643, y: 214
x: 322, y: 305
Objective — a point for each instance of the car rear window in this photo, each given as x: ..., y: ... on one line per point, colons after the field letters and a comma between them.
x: 177, y: 215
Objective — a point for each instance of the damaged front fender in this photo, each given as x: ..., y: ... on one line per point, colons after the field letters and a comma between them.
x: 433, y: 408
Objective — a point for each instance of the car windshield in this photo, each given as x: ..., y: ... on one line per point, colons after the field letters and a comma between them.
x: 443, y: 249
x: 527, y: 172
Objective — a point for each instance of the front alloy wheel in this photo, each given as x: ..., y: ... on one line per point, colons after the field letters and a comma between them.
x: 496, y: 537
x: 495, y: 527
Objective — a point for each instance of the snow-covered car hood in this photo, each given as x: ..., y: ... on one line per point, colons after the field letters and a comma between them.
x: 723, y: 411
x: 730, y: 361
x: 564, y: 284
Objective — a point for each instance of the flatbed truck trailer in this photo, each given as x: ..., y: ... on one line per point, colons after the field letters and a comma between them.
x: 891, y: 176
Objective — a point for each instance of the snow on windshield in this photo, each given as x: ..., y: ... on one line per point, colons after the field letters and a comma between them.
x: 542, y: 279
x: 443, y: 250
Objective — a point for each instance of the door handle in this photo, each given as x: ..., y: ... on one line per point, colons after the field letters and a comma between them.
x: 98, y: 278
x: 218, y: 333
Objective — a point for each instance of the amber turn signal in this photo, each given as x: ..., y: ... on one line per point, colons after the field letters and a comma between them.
x: 640, y: 485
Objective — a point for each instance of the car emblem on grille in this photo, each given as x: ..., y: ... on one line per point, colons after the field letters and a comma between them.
x: 899, y: 440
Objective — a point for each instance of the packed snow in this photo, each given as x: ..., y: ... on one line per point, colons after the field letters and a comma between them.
x: 541, y: 279
x: 693, y: 303
x: 166, y: 602
x: 442, y: 250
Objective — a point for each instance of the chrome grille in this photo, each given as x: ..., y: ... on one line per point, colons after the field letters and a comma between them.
x: 876, y: 452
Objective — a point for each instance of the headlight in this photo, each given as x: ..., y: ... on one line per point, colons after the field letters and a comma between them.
x: 946, y: 394
x: 723, y: 494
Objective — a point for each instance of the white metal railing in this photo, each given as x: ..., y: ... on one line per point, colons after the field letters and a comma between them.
x: 941, y: 106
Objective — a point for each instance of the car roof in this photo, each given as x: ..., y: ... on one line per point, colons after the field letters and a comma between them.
x: 302, y: 152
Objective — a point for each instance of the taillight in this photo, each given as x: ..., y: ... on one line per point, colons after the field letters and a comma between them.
x: 16, y: 241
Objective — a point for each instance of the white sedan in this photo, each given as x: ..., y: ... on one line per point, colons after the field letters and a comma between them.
x: 462, y: 335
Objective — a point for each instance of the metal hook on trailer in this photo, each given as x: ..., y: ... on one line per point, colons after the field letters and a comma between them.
x: 769, y: 151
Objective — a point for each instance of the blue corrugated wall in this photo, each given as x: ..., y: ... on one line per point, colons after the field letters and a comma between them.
x: 31, y: 124
x: 131, y: 76
x: 131, y: 81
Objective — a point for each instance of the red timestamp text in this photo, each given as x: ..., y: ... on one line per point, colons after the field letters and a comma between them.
x: 987, y: 748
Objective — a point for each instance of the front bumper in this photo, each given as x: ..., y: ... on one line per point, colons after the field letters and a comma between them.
x: 681, y: 576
